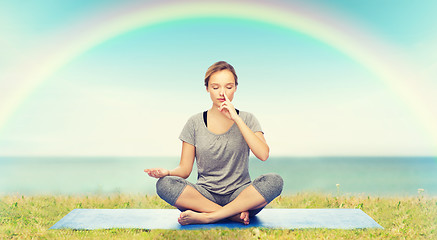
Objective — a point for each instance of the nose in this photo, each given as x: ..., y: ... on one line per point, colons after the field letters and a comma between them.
x: 222, y: 92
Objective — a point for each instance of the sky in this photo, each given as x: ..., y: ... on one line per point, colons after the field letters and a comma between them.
x: 130, y: 94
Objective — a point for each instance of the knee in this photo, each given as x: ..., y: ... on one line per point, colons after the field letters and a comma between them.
x: 166, y: 184
x: 275, y: 181
x: 169, y: 187
x: 271, y: 185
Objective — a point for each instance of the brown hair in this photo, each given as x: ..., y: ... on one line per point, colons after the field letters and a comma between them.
x: 220, y: 66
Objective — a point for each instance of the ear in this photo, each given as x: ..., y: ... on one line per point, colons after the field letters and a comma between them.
x: 207, y: 89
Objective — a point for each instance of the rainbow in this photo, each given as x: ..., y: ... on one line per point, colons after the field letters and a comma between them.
x: 333, y: 32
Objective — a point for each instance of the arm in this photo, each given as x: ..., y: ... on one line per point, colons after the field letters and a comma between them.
x: 184, y: 168
x: 256, y: 141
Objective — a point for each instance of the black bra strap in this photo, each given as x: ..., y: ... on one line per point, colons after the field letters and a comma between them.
x: 205, y: 115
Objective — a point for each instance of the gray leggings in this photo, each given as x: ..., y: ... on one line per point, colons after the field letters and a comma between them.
x: 268, y: 185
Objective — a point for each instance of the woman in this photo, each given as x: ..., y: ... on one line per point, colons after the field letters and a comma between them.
x: 219, y: 139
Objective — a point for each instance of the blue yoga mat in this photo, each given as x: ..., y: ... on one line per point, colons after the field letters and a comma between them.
x: 89, y: 219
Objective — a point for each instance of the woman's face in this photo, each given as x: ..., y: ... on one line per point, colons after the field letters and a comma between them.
x: 221, y: 82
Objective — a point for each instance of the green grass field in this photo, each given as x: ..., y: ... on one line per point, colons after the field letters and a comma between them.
x: 27, y: 217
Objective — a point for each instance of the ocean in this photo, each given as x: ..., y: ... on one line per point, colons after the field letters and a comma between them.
x: 373, y: 176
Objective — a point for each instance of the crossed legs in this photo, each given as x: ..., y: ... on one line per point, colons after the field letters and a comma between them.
x: 202, y: 210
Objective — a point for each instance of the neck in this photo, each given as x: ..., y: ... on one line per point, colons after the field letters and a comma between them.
x: 214, y: 110
x: 216, y: 113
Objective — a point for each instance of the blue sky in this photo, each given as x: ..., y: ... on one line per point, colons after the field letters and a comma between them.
x: 131, y: 95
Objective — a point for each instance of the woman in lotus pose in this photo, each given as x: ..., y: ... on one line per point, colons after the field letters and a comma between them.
x: 220, y: 140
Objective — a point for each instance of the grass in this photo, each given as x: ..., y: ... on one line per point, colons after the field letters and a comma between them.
x: 30, y: 217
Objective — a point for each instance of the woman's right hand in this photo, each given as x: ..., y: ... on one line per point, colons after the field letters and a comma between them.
x: 157, y: 172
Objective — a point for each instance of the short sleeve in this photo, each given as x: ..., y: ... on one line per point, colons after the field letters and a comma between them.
x: 253, y: 123
x: 188, y: 132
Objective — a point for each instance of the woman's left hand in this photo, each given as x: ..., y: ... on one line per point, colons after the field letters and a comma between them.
x: 227, y: 108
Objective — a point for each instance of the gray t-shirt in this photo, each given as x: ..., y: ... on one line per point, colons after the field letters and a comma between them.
x: 222, y: 159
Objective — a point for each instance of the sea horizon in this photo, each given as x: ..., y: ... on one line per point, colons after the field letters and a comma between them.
x: 355, y: 175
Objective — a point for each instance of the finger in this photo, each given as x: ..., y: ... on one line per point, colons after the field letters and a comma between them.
x: 228, y: 102
x: 226, y: 97
x: 222, y: 106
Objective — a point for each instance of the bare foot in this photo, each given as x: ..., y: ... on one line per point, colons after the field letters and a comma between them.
x: 191, y: 217
x: 242, y: 218
x: 245, y: 217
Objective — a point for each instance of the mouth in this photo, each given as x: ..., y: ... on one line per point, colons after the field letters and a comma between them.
x: 221, y: 99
